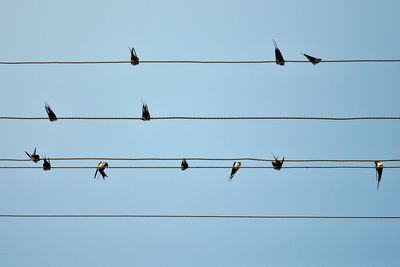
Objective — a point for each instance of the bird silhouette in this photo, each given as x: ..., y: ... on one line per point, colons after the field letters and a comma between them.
x: 379, y: 170
x: 34, y: 157
x: 100, y: 168
x: 46, y: 164
x: 184, y: 165
x: 235, y: 168
x: 134, y: 57
x: 313, y: 60
x: 278, y: 55
x: 277, y: 164
x: 50, y: 113
x: 145, y: 112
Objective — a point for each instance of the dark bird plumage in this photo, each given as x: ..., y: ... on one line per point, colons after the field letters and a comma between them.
x: 100, y: 168
x: 313, y: 60
x: 145, y: 112
x: 46, y: 164
x: 235, y: 168
x: 184, y: 165
x: 379, y: 170
x: 277, y: 164
x: 278, y: 55
x: 34, y: 157
x: 50, y: 113
x: 134, y: 57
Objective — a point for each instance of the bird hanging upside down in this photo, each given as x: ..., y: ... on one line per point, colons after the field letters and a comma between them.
x: 34, y: 157
x: 235, y: 168
x: 379, y: 170
x: 100, y: 168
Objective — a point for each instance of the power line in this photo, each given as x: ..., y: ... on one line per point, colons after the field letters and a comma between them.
x: 199, y: 167
x: 194, y: 216
x: 198, y: 61
x: 210, y: 118
x: 201, y: 159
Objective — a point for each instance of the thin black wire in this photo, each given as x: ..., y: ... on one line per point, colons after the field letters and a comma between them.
x: 192, y: 216
x: 198, y: 61
x: 203, y: 159
x: 199, y: 167
x: 209, y: 118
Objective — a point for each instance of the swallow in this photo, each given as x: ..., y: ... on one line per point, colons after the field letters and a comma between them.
x: 313, y: 60
x: 134, y: 57
x: 50, y: 113
x: 277, y: 164
x: 46, y: 164
x: 379, y: 170
x: 145, y: 112
x: 100, y: 168
x: 34, y: 157
x: 184, y: 165
x: 278, y: 56
x: 235, y: 168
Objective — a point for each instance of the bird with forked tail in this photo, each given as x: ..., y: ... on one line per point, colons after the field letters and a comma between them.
x: 276, y: 163
x: 100, y: 168
x: 34, y: 157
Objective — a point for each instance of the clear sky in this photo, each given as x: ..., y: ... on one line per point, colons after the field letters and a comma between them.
x: 203, y: 30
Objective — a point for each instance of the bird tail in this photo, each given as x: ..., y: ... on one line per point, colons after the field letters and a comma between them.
x: 276, y: 46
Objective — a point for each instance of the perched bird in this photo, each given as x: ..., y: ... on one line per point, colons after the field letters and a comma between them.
x: 100, y: 168
x: 313, y: 60
x: 46, y: 164
x: 277, y: 164
x: 34, y: 157
x: 50, y: 113
x: 379, y: 170
x: 134, y: 57
x: 184, y: 165
x: 278, y: 56
x: 235, y: 168
x: 145, y: 112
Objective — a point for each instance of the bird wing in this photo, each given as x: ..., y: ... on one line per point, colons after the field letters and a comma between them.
x: 29, y: 155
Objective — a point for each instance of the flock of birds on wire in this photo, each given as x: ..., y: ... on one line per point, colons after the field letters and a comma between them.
x: 276, y: 163
x: 278, y: 56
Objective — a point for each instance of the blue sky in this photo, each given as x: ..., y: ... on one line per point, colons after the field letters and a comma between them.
x: 203, y: 30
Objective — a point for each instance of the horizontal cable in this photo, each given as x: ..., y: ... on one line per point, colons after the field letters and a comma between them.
x: 192, y: 216
x: 204, y: 159
x: 198, y: 61
x: 199, y: 167
x: 209, y: 118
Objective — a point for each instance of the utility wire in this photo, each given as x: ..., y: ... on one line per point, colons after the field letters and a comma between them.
x: 202, y: 159
x: 193, y: 216
x: 209, y: 118
x: 199, y: 167
x: 198, y: 61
